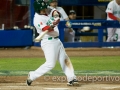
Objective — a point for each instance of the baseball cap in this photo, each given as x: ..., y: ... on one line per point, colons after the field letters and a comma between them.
x: 72, y: 12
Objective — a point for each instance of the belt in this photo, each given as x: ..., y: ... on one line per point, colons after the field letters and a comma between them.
x: 50, y: 38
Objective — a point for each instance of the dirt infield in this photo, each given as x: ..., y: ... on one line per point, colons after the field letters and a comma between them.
x: 19, y: 82
x: 37, y: 52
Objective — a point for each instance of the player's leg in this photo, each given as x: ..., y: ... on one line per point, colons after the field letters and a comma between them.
x: 117, y: 33
x: 117, y: 36
x: 50, y: 56
x: 67, y: 66
x: 111, y: 32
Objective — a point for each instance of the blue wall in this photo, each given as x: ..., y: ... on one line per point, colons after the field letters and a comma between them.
x: 11, y: 38
x: 82, y: 2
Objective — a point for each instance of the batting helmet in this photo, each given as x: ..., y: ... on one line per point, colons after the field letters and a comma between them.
x: 52, y: 1
x: 39, y: 5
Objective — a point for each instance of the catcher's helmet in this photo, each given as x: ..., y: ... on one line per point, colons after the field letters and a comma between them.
x: 52, y: 1
x: 39, y: 5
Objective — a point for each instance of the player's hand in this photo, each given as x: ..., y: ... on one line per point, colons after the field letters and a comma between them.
x: 56, y: 14
x: 56, y: 21
x: 68, y: 24
x: 53, y: 22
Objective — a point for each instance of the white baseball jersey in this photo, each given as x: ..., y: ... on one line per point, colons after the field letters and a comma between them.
x: 114, y: 8
x: 40, y: 21
x: 61, y: 10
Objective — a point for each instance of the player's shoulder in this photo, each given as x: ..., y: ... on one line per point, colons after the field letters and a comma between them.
x: 38, y: 17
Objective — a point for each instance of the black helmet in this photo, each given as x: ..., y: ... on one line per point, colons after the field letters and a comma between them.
x: 39, y: 5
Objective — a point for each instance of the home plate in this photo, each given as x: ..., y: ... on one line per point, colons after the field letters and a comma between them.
x: 56, y: 89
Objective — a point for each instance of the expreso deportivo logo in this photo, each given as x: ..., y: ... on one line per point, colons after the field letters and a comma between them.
x: 84, y: 78
x: 99, y: 78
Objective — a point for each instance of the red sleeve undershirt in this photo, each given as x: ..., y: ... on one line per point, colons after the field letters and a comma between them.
x: 47, y: 28
x: 110, y: 15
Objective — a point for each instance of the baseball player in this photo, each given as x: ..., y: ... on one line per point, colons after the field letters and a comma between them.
x: 113, y: 13
x: 51, y: 45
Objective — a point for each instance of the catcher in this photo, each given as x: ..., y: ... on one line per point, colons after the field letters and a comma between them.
x: 51, y: 45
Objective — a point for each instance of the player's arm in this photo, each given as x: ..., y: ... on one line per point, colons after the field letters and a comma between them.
x: 109, y: 12
x: 64, y: 15
x: 49, y: 28
x: 54, y: 18
x: 70, y: 30
x: 51, y: 23
x: 41, y: 26
x: 44, y: 29
x: 110, y: 15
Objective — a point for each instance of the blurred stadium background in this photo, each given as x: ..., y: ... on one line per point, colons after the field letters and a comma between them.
x: 18, y: 15
x: 16, y: 12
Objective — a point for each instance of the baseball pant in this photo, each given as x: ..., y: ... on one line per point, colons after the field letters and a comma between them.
x: 111, y: 33
x: 53, y: 51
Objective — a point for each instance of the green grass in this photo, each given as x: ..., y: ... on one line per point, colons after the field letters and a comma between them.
x: 79, y: 63
x: 87, y: 64
x: 96, y: 63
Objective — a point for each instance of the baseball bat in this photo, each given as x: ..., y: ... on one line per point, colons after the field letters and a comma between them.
x: 38, y: 38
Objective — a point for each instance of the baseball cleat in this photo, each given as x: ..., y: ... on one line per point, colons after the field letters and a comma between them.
x: 29, y: 81
x: 73, y: 82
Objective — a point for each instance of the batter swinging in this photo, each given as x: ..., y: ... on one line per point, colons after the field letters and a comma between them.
x: 51, y: 45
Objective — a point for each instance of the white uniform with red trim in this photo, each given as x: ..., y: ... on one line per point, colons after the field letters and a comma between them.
x: 53, y: 50
x: 113, y: 8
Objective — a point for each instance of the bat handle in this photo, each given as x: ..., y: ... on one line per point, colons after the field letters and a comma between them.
x: 38, y: 38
